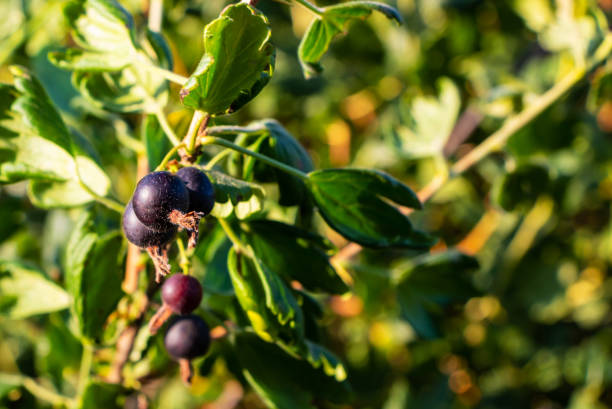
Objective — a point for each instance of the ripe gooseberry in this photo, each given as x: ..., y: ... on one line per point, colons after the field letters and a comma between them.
x: 201, y: 191
x: 156, y: 196
x: 142, y: 236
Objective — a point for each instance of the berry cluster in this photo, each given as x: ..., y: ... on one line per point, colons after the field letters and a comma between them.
x: 187, y: 336
x: 163, y: 202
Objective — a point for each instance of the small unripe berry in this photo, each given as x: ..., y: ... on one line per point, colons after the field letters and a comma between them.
x: 181, y: 293
x: 201, y: 191
x: 187, y: 337
x: 156, y: 196
x: 142, y: 236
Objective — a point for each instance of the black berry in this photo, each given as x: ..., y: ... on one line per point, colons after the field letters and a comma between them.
x: 182, y: 293
x: 142, y: 236
x: 187, y: 337
x: 201, y: 192
x: 156, y: 196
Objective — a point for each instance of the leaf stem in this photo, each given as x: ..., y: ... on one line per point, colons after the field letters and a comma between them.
x: 86, y: 361
x: 37, y: 390
x: 169, y: 156
x: 212, y: 140
x: 311, y: 7
x: 123, y: 136
x: 163, y: 122
x: 184, y: 260
x: 231, y: 234
x: 110, y: 203
x: 192, y: 133
x: 221, y: 130
x: 217, y: 158
x: 498, y: 139
x: 167, y: 74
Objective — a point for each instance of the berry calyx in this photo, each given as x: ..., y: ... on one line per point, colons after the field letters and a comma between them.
x: 157, y: 195
x: 181, y: 293
x: 201, y: 191
x: 187, y: 337
x: 141, y: 235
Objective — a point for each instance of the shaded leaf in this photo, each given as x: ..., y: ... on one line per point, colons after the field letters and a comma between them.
x: 429, y: 280
x: 520, y: 188
x: 268, y: 303
x: 332, y: 21
x: 237, y: 62
x: 212, y: 252
x: 295, y: 254
x: 284, y: 381
x: 102, y: 395
x: 270, y: 138
x: 282, y: 146
x: 155, y: 141
x: 26, y: 291
x: 355, y: 203
x: 235, y: 196
x: 93, y: 275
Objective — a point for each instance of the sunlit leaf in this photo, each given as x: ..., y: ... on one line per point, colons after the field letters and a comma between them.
x: 332, y: 21
x: 26, y: 291
x: 355, y: 203
x: 237, y: 62
x: 235, y: 196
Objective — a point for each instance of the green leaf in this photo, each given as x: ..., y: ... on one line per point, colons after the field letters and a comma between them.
x: 40, y: 147
x: 93, y: 274
x: 270, y: 138
x: 235, y: 196
x: 155, y: 141
x: 320, y: 358
x: 26, y: 291
x: 103, y: 395
x: 282, y: 146
x: 284, y: 381
x: 237, y: 62
x: 430, y: 280
x: 268, y: 303
x: 520, y: 188
x: 295, y: 254
x: 212, y: 252
x: 332, y: 21
x: 425, y: 125
x: 355, y: 203
x: 111, y: 69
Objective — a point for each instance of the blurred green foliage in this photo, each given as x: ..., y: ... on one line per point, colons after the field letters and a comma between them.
x: 526, y: 326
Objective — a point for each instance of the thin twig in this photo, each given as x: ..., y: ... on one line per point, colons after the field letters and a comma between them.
x: 498, y: 139
x: 156, y: 12
x: 163, y: 122
x: 134, y: 263
x: 212, y: 140
x: 36, y: 389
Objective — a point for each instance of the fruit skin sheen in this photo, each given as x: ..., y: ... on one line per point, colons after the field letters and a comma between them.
x: 181, y: 293
x: 156, y: 196
x: 201, y: 191
x: 187, y: 337
x: 142, y: 236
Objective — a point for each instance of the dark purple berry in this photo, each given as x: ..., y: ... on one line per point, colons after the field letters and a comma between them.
x: 182, y: 293
x: 201, y: 192
x: 142, y: 236
x: 187, y: 337
x: 156, y: 196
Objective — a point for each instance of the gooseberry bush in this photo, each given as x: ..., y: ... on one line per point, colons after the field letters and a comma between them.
x: 219, y: 261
